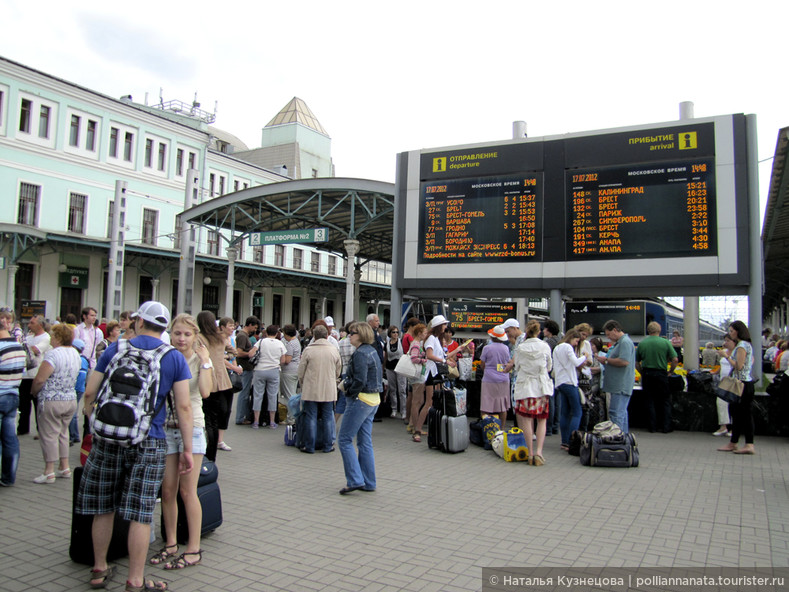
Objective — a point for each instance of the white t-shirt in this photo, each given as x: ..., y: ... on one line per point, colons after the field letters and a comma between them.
x: 60, y: 386
x: 271, y: 350
x: 565, y: 363
x: 438, y: 351
x: 41, y: 342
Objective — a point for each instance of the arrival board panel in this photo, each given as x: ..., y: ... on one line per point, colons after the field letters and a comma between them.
x: 494, y: 218
x: 642, y: 210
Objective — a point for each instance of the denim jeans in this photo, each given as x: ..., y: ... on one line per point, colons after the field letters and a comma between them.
x: 617, y: 410
x: 358, y: 421
x: 73, y: 427
x: 9, y: 443
x: 554, y: 413
x: 311, y: 409
x: 243, y: 406
x: 570, y: 410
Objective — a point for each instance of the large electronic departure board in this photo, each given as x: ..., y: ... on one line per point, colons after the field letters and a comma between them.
x: 481, y: 219
x: 645, y: 207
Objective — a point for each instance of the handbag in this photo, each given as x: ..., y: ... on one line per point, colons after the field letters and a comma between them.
x: 729, y: 389
x: 235, y: 380
x: 405, y: 367
x: 464, y: 368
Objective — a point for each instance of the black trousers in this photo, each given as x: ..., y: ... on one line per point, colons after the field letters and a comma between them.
x: 26, y: 401
x: 215, y: 410
x: 658, y: 398
x: 741, y: 415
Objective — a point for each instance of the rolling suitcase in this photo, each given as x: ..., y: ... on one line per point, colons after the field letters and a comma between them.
x: 81, y: 546
x: 210, y: 501
x: 434, y: 428
x: 454, y: 433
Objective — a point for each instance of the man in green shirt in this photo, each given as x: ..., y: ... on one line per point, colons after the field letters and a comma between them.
x: 654, y: 356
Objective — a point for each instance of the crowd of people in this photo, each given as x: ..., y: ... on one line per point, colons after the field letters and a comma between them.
x: 553, y: 383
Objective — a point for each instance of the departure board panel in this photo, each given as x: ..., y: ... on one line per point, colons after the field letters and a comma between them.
x: 479, y: 316
x: 494, y: 218
x: 642, y: 210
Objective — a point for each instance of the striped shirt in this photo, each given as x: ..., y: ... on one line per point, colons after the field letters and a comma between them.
x: 12, y: 365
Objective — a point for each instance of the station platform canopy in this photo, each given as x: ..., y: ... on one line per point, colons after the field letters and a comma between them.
x: 775, y: 233
x: 355, y: 209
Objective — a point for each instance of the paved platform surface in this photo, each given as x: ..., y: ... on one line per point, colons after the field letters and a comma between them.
x: 436, y: 519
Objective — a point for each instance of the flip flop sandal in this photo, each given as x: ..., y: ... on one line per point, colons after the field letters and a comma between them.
x: 162, y: 555
x: 417, y: 437
x: 147, y: 585
x: 182, y: 561
x: 104, y: 575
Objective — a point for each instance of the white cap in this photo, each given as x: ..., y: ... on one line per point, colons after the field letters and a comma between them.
x: 329, y: 321
x: 511, y: 323
x: 155, y: 313
x: 437, y: 320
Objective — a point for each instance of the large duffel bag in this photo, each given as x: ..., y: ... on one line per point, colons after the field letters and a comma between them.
x: 609, y: 451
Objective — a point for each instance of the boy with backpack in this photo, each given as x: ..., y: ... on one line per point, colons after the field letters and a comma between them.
x: 130, y: 386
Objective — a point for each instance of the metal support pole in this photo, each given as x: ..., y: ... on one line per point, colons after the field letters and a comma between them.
x: 188, y: 241
x: 756, y: 260
x: 113, y: 307
x: 691, y: 303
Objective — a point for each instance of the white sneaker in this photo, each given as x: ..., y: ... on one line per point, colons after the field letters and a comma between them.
x: 45, y: 478
x: 223, y: 446
x: 722, y: 432
x: 394, y: 415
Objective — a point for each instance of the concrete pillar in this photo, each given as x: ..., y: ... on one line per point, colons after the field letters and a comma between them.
x: 351, y: 248
x: 232, y: 254
x: 10, y: 288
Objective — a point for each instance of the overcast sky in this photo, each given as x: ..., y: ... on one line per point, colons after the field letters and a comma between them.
x: 385, y: 78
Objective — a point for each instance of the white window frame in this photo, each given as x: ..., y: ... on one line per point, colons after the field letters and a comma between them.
x: 315, y: 261
x: 119, y: 159
x: 39, y: 200
x: 220, y: 185
x: 239, y: 183
x: 154, y: 238
x: 213, y: 243
x: 300, y: 263
x: 4, y: 96
x: 152, y: 165
x: 84, y: 222
x: 81, y: 147
x: 331, y: 268
x: 32, y: 133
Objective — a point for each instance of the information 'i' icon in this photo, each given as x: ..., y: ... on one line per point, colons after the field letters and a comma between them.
x: 688, y: 141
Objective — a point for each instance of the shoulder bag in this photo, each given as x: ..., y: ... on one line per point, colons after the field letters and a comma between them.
x: 405, y: 367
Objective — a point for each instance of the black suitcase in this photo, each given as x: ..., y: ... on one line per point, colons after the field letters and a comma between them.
x: 434, y: 428
x: 609, y: 451
x: 81, y: 546
x: 576, y: 438
x: 211, y: 503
